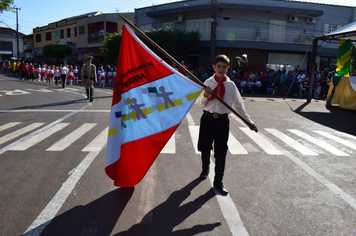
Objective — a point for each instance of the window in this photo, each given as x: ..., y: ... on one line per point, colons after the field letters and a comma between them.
x: 277, y: 31
x: 48, y: 36
x: 68, y: 33
x: 202, y: 26
x: 168, y: 26
x: 328, y: 28
x: 38, y: 37
x: 147, y: 27
x: 62, y: 34
x: 111, y: 29
x: 75, y: 31
x: 82, y: 29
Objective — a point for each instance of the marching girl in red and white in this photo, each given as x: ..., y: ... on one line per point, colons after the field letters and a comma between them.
x: 110, y: 80
x: 70, y: 76
x: 102, y: 77
x: 38, y: 72
x: 51, y: 73
x: 75, y: 75
x: 44, y: 74
x: 56, y: 75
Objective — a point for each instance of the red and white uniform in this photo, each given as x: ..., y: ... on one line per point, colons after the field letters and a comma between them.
x: 110, y: 75
x: 43, y: 74
x: 71, y: 75
x: 38, y: 71
x: 102, y: 76
x: 75, y: 71
x: 102, y: 79
x: 51, y: 75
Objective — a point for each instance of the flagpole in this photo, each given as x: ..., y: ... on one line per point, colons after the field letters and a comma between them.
x: 195, y: 79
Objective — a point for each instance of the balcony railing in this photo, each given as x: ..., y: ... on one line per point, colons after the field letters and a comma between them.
x: 98, y: 37
x: 261, y: 35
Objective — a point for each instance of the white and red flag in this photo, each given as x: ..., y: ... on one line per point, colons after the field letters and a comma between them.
x: 150, y: 100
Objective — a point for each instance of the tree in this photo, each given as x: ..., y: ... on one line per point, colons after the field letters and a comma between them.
x: 111, y: 48
x: 6, y: 5
x: 177, y: 43
x: 59, y: 52
x: 353, y: 60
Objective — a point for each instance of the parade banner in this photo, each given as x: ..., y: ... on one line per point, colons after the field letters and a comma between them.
x: 150, y: 99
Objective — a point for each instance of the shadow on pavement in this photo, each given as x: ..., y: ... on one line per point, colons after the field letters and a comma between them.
x: 162, y: 219
x: 337, y: 118
x: 96, y: 218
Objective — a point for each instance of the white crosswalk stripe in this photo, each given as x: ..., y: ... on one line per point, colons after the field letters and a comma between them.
x: 9, y: 125
x: 291, y: 142
x: 38, y: 138
x: 337, y: 139
x: 71, y: 138
x: 346, y: 135
x: 258, y: 138
x: 97, y: 143
x: 170, y: 146
x: 235, y: 146
x: 319, y: 143
x: 194, y: 134
x: 260, y: 141
x: 19, y: 132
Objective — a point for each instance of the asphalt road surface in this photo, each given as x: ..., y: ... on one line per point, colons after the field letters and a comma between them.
x: 296, y: 176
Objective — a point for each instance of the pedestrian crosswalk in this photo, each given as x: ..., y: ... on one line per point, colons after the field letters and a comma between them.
x: 268, y: 140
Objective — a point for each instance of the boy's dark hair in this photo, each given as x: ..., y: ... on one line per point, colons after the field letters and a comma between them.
x: 222, y: 58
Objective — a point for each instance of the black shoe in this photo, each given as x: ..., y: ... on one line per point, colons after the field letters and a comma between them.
x: 220, y: 187
x: 203, y: 175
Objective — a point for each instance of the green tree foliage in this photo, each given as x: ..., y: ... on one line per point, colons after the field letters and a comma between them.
x: 177, y: 43
x: 353, y: 60
x: 111, y: 48
x: 59, y: 52
x: 6, y: 5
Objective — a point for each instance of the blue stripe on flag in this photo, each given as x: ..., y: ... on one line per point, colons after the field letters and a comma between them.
x: 118, y: 114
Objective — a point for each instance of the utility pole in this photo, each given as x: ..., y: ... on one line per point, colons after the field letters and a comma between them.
x: 214, y: 5
x: 17, y: 30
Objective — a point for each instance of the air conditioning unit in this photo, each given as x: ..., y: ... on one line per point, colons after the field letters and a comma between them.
x: 293, y: 18
x: 311, y: 20
x: 178, y: 18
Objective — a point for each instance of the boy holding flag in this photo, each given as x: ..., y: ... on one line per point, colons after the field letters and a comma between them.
x: 214, y: 123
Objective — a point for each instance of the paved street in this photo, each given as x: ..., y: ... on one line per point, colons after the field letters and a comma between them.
x: 296, y: 176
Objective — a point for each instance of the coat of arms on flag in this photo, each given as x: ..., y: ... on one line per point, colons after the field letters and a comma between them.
x: 150, y: 100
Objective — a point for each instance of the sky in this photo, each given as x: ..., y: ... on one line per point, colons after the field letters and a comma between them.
x: 37, y: 13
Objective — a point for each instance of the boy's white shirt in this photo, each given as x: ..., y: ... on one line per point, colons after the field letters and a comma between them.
x: 232, y: 97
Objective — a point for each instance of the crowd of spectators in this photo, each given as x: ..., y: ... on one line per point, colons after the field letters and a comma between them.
x: 256, y: 81
x: 271, y: 82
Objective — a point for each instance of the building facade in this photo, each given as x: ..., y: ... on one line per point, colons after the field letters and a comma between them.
x: 84, y: 34
x: 275, y: 33
x: 8, y: 43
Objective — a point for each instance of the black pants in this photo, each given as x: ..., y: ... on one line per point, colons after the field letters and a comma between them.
x: 63, y: 80
x: 214, y: 129
x: 56, y: 78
